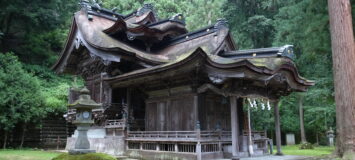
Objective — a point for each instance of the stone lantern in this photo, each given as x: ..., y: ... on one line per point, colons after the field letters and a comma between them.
x: 330, y: 135
x: 83, y: 106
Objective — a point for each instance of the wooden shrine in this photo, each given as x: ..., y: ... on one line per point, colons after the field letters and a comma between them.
x: 170, y: 93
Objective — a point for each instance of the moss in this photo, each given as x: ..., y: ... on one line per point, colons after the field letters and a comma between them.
x: 89, y: 156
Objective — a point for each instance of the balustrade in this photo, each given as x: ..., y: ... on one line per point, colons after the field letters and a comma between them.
x: 184, y: 141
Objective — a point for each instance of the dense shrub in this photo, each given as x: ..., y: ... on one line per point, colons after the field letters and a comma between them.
x: 306, y: 145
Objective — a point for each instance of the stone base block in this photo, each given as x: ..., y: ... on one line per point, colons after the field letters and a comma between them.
x: 109, y: 145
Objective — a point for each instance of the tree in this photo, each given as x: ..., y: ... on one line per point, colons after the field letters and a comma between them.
x: 343, y: 49
x: 21, y: 100
x: 251, y: 21
x: 305, y: 24
x: 300, y: 104
x: 34, y: 30
x: 198, y: 13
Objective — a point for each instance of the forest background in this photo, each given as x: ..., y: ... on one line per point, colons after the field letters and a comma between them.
x: 33, y: 32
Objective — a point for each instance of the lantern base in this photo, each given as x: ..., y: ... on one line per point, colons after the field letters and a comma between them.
x: 81, y: 151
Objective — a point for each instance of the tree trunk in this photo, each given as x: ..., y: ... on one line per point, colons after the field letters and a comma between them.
x: 300, y: 104
x: 5, y: 140
x: 23, y: 134
x: 344, y: 72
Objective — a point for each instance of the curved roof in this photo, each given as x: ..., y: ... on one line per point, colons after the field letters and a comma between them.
x: 258, y: 68
x: 211, y: 49
x: 88, y: 30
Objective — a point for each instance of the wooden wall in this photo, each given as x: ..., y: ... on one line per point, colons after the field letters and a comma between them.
x: 172, y: 113
x: 52, y: 133
x: 182, y: 110
x: 215, y: 111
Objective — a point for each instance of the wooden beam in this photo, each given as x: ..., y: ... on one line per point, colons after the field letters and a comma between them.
x: 277, y: 127
x: 256, y: 92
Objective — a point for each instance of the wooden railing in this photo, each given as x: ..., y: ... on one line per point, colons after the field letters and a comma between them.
x: 116, y: 123
x: 179, y: 135
x: 185, y: 141
x: 255, y: 134
x: 182, y: 147
x: 154, y: 135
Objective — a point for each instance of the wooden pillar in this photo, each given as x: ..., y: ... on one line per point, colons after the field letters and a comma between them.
x: 161, y: 125
x: 129, y: 102
x: 199, y: 151
x: 158, y: 147
x: 277, y: 127
x: 176, y: 147
x: 235, y: 127
x: 195, y: 109
x: 250, y: 141
x: 198, y: 145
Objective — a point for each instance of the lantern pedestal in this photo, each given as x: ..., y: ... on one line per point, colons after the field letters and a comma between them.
x: 82, y: 144
x: 83, y: 121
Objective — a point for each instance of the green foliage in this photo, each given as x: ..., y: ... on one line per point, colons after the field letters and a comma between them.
x: 42, y: 48
x: 305, y: 24
x: 256, y: 32
x: 28, y: 92
x: 267, y: 121
x: 33, y: 30
x: 312, y: 46
x: 198, y: 13
x: 251, y: 21
x: 53, y: 87
x: 89, y: 156
x: 21, y: 99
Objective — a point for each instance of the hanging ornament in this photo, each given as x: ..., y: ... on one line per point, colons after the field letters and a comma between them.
x: 268, y: 105
x: 251, y: 105
x: 254, y: 103
x: 262, y: 105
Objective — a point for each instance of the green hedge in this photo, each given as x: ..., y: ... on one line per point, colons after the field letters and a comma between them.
x: 89, y: 156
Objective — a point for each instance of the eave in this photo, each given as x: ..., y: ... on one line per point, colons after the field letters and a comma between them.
x: 243, y: 68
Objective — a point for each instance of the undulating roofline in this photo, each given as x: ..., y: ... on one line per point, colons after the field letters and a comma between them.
x: 284, y: 51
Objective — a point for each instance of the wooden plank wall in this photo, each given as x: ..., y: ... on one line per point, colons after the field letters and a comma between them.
x: 215, y: 110
x: 52, y: 133
x: 172, y: 113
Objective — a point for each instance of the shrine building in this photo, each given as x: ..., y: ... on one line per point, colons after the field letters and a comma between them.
x: 170, y: 93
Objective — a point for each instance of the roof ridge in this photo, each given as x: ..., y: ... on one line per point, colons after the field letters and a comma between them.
x: 220, y: 24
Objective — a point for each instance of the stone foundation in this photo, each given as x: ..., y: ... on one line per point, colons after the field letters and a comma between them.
x: 114, y: 145
x: 158, y: 155
x: 109, y: 145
